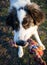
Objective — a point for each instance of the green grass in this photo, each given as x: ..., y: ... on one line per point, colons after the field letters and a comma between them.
x: 45, y: 10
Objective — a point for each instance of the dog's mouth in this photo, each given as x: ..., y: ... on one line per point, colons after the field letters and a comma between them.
x: 19, y: 43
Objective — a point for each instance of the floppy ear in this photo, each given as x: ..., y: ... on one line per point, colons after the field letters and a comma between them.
x: 38, y: 16
x: 35, y: 13
x: 11, y: 18
x: 10, y: 21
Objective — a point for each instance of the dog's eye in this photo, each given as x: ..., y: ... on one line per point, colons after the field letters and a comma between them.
x: 16, y: 25
x: 26, y: 23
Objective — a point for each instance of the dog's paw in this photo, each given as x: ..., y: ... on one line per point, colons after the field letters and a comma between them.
x: 43, y: 47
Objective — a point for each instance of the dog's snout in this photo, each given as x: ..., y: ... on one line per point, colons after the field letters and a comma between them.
x: 21, y: 43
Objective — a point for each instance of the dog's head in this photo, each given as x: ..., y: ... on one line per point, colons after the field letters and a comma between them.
x: 24, y: 21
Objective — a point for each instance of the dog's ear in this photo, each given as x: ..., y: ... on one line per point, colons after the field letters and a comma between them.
x: 38, y: 16
x: 35, y: 12
x: 9, y: 20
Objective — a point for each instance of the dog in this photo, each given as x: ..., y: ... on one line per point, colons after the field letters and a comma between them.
x: 25, y: 17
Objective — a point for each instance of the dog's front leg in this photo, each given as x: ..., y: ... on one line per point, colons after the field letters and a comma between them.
x: 38, y: 39
x: 20, y: 51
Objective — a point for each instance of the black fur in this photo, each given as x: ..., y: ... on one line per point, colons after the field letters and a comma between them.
x: 12, y: 20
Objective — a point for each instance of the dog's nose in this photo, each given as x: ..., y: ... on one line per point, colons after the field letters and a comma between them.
x: 21, y: 43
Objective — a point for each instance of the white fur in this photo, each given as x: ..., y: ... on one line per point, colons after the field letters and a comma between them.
x: 23, y: 34
x: 20, y: 51
x: 36, y: 35
x: 18, y: 3
x: 21, y: 14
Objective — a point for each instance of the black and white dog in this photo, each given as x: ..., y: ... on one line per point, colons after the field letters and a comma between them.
x: 24, y: 17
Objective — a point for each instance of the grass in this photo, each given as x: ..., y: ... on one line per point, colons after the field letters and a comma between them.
x: 45, y: 10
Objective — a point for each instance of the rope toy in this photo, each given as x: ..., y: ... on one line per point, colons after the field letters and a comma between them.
x: 37, y: 52
x: 34, y: 49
